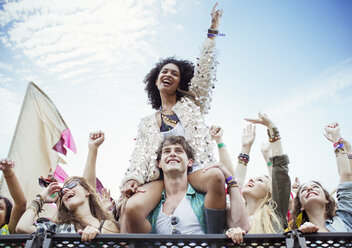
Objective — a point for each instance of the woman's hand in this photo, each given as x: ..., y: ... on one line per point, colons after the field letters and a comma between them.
x: 131, y: 187
x: 6, y: 165
x: 262, y: 119
x: 215, y: 17
x: 105, y: 199
x: 236, y: 234
x: 216, y: 133
x: 248, y: 136
x: 96, y: 139
x: 51, y: 193
x: 89, y: 233
x: 332, y: 132
x: 308, y: 227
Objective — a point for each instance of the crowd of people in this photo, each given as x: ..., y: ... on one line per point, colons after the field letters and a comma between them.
x: 174, y: 184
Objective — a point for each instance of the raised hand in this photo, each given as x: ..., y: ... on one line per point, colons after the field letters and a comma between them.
x: 6, y: 164
x: 105, y: 199
x: 216, y: 133
x: 332, y: 132
x: 295, y: 185
x: 261, y: 119
x: 96, y: 139
x: 215, y: 17
x: 248, y: 136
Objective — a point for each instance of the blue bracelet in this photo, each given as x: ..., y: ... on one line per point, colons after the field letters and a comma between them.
x: 229, y: 179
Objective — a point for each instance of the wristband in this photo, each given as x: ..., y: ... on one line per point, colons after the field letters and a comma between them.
x: 221, y: 145
x: 213, y: 31
x: 339, y: 144
x: 13, y: 173
x: 269, y: 163
x: 349, y: 155
x: 228, y: 179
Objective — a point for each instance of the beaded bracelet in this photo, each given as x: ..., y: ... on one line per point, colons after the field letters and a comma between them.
x: 221, y: 145
x: 213, y: 31
x: 232, y: 184
x: 243, y: 157
x: 275, y: 136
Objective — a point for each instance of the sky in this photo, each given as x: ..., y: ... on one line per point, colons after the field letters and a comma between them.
x: 289, y: 59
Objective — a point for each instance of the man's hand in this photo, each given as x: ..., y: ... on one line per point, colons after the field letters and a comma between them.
x: 96, y: 139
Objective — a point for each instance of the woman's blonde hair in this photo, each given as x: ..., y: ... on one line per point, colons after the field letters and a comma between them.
x: 265, y: 219
x: 65, y: 216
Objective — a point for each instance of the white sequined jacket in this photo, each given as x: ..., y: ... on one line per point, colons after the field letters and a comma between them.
x: 143, y: 165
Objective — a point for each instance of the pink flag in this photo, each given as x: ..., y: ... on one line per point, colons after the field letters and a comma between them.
x: 60, y: 175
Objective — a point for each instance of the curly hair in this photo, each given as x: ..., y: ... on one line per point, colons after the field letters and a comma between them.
x: 186, y: 74
x: 8, y: 210
x: 173, y: 140
x: 329, y: 206
x: 65, y: 216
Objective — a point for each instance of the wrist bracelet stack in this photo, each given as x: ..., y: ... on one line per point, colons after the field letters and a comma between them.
x: 275, y: 136
x: 243, y: 159
x: 339, y: 147
x: 231, y: 183
x: 37, y: 204
x: 212, y: 32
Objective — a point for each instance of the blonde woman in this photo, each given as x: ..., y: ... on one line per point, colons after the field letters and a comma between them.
x: 266, y: 198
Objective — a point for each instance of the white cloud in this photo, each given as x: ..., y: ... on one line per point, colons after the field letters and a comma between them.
x: 322, y: 87
x: 5, y: 66
x: 66, y: 39
x: 168, y: 6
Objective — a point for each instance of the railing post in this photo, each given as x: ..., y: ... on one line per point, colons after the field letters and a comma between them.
x: 35, y: 242
x: 47, y: 240
x: 300, y: 240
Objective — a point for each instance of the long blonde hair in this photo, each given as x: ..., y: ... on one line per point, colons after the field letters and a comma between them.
x: 265, y: 219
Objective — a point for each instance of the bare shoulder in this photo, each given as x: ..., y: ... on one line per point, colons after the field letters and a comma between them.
x: 110, y: 227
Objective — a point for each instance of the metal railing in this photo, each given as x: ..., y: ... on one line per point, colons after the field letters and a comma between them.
x: 291, y: 239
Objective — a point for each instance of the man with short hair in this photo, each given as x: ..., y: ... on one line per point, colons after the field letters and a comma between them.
x: 182, y: 209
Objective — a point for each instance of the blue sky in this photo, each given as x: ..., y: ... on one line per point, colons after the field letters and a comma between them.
x: 290, y: 59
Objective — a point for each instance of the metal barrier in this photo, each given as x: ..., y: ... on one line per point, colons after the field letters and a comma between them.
x: 291, y: 239
x: 19, y: 240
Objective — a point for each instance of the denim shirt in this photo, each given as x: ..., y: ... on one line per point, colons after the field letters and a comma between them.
x: 342, y: 222
x: 197, y: 204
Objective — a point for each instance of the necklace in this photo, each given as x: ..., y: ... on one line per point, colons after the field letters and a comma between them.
x: 170, y: 118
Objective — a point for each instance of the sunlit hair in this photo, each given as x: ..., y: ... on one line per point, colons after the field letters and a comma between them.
x: 329, y: 206
x: 65, y: 216
x: 8, y: 205
x: 265, y: 219
x: 186, y: 74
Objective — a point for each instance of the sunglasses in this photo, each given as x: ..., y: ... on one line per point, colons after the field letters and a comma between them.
x: 70, y: 185
x: 174, y: 223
